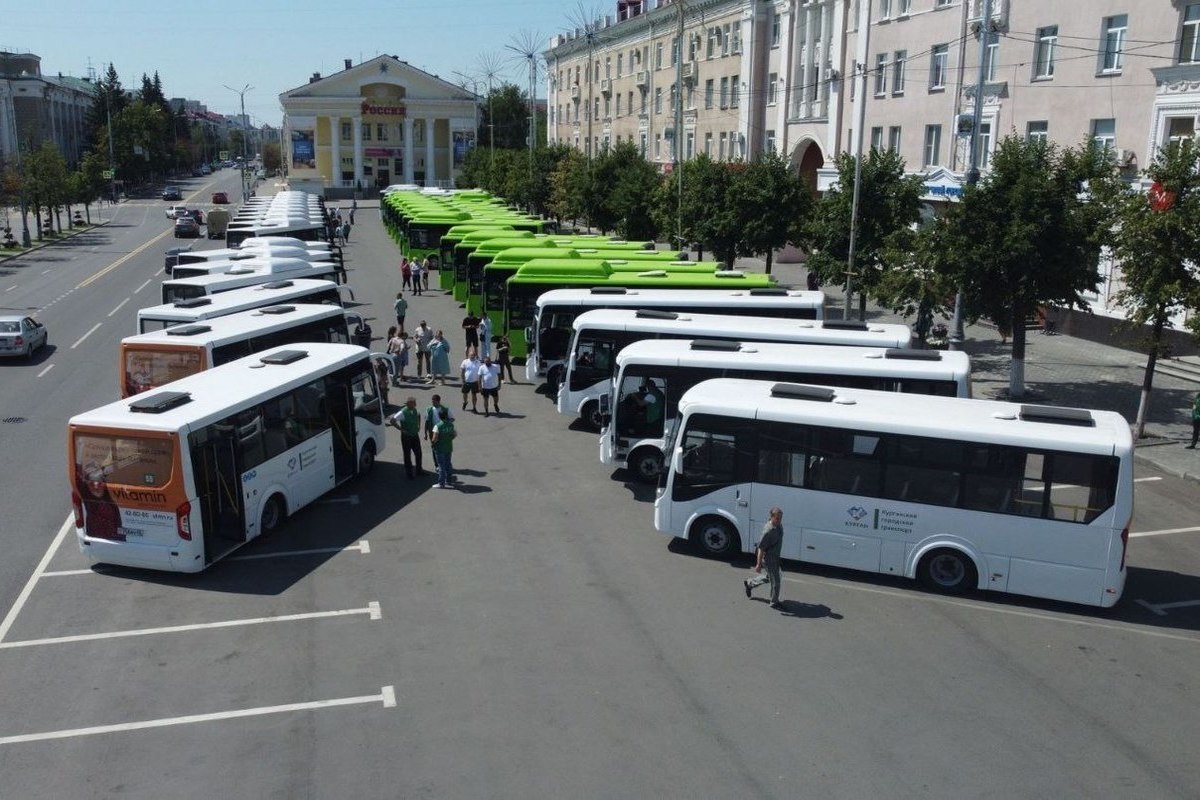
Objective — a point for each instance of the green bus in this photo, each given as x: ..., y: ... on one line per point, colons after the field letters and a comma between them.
x: 541, y: 275
x: 455, y: 235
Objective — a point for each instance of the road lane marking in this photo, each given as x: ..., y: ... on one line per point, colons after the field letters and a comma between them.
x: 1143, y: 480
x: 11, y: 617
x: 47, y: 369
x: 143, y: 286
x: 159, y: 271
x: 386, y: 698
x: 363, y: 547
x: 45, y: 272
x: 971, y: 606
x: 97, y: 276
x: 118, y: 308
x: 89, y: 333
x: 9, y: 289
x: 1163, y: 532
x: 1158, y: 608
x: 372, y: 611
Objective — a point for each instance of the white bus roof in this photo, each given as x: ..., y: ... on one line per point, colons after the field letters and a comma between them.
x: 812, y: 358
x: 258, y: 271
x: 745, y: 328
x: 215, y: 391
x: 984, y: 421
x: 235, y: 326
x: 218, y: 305
x: 701, y: 297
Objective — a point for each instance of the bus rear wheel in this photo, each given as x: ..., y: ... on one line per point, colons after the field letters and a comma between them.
x: 366, y: 459
x: 591, y: 416
x: 646, y: 464
x: 714, y: 537
x: 273, y: 515
x: 947, y: 571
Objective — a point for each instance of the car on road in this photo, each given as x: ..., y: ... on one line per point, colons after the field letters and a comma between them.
x: 195, y: 214
x: 174, y: 212
x: 205, y: 169
x: 21, y: 336
x: 186, y: 228
x: 172, y: 193
x: 220, y: 198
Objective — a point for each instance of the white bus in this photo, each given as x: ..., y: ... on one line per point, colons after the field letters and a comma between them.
x: 600, y: 335
x: 149, y: 360
x: 654, y: 373
x: 162, y: 316
x: 550, y: 334
x: 247, y: 259
x: 958, y: 494
x: 251, y: 273
x: 177, y: 478
x: 177, y: 257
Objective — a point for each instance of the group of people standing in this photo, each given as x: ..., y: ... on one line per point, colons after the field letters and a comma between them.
x: 414, y: 275
x: 427, y: 345
x: 437, y: 425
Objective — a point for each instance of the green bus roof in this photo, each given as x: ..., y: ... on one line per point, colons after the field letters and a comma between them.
x: 588, y: 272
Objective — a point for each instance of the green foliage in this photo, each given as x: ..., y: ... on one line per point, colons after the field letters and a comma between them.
x: 709, y: 217
x: 911, y: 286
x: 272, y: 160
x: 508, y: 108
x: 772, y: 204
x: 889, y: 204
x: 565, y: 200
x: 628, y: 186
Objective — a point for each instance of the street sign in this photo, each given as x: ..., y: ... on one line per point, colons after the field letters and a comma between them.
x: 108, y: 174
x: 223, y: 155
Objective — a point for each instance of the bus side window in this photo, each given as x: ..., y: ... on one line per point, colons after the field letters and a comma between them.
x: 366, y: 398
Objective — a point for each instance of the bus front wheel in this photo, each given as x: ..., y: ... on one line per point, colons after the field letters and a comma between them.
x: 591, y: 416
x: 714, y: 537
x: 273, y: 514
x: 554, y: 380
x: 947, y: 571
x: 366, y: 460
x: 646, y: 464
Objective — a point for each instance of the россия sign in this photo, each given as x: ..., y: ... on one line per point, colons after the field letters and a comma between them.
x: 386, y: 111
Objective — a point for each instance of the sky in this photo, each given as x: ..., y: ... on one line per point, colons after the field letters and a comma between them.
x: 200, y: 48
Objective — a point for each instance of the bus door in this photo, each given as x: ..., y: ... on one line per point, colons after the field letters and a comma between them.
x: 216, y: 463
x: 341, y: 420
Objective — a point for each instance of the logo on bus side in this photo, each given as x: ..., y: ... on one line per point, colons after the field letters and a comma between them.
x: 856, y: 515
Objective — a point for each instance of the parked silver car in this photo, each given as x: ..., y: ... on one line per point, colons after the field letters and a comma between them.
x: 21, y: 336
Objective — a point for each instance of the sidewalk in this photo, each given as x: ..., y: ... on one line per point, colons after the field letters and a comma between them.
x: 1065, y: 371
x: 98, y: 222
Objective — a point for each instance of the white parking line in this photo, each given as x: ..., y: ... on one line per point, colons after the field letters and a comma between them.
x: 45, y: 272
x: 1163, y: 532
x: 89, y: 333
x: 118, y: 308
x: 372, y: 611
x: 143, y: 286
x: 363, y: 547
x: 9, y: 289
x: 47, y: 369
x: 1144, y: 480
x: 11, y: 617
x: 386, y: 698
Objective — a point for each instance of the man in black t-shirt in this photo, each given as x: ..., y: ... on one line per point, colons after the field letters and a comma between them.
x: 470, y: 325
x: 769, y: 550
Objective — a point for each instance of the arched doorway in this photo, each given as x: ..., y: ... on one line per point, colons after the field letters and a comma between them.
x: 806, y: 159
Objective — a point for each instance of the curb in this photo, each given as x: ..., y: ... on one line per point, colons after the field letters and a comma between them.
x: 72, y: 234
x: 1174, y: 471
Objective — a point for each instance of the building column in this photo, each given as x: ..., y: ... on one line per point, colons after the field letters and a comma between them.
x: 787, y: 58
x: 430, y: 172
x: 358, y: 150
x: 806, y: 63
x: 335, y: 150
x: 409, y: 152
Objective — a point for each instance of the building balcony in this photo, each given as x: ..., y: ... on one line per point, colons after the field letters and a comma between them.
x: 689, y: 72
x: 606, y: 86
x: 575, y: 92
x: 642, y: 79
x: 999, y: 12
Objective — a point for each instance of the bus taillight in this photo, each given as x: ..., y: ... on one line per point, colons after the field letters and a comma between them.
x: 183, y: 521
x: 77, y: 503
x: 1124, y: 544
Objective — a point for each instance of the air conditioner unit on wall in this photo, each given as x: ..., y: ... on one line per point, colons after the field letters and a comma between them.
x: 1126, y: 158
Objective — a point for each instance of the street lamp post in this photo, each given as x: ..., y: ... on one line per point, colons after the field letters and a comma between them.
x: 241, y: 93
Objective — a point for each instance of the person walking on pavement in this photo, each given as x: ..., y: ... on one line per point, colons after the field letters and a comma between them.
x: 416, y: 277
x: 431, y: 419
x: 468, y: 371
x: 383, y: 379
x: 397, y: 348
x: 470, y: 326
x: 504, y: 357
x: 443, y: 446
x: 401, y: 307
x: 439, y: 358
x: 485, y: 336
x: 353, y: 208
x: 423, y: 337
x: 425, y: 267
x: 489, y: 384
x: 405, y: 274
x: 1195, y: 421
x: 408, y: 421
x: 770, y: 546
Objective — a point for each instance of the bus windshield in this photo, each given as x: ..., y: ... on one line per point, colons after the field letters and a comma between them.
x: 175, y: 293
x: 146, y: 368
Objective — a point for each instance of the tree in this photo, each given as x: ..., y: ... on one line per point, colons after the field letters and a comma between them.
x: 506, y: 113
x: 1156, y: 238
x: 110, y: 97
x: 889, y: 204
x: 911, y: 286
x: 1025, y: 237
x: 625, y: 186
x: 709, y: 219
x: 772, y: 204
x: 272, y: 159
x: 46, y: 181
x: 565, y: 202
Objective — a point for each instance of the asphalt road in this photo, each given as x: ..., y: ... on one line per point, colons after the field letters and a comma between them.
x: 530, y: 635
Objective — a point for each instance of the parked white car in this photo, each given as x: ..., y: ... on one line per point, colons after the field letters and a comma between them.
x: 175, y: 212
x: 20, y: 336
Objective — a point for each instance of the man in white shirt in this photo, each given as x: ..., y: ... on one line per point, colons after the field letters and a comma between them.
x: 489, y: 383
x: 422, y: 336
x: 485, y: 336
x: 469, y: 371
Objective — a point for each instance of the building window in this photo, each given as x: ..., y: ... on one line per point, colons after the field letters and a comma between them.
x: 643, y: 145
x: 894, y: 138
x: 1189, y: 35
x: 618, y: 105
x: 899, y: 60
x: 674, y: 96
x: 607, y: 107
x: 885, y: 9
x: 905, y: 6
x: 725, y: 92
x: 939, y: 63
x: 658, y: 100
x: 985, y: 144
x: 721, y: 146
x: 596, y: 109
x: 620, y: 60
x: 708, y: 144
x: 1104, y: 133
x: 991, y: 65
x: 674, y: 51
x: 735, y: 43
x: 711, y: 46
x: 629, y: 103
x: 658, y: 48
x: 724, y: 40
x: 689, y: 145
x: 933, y: 145
x: 772, y: 88
x: 876, y: 138
x: 776, y: 30
x: 769, y: 143
x: 941, y: 3
x: 691, y: 95
x: 608, y: 66
x: 708, y: 93
x: 1037, y: 130
x: 1115, y: 30
x: 881, y: 65
x: 1043, y: 52
x: 347, y: 131
x: 734, y: 91
x: 381, y: 133
x: 366, y: 131
x: 1180, y: 129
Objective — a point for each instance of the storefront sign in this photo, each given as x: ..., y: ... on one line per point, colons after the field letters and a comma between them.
x: 383, y: 111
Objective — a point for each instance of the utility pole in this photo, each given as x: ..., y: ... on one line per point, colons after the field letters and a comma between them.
x: 112, y: 162
x: 678, y: 166
x: 985, y: 33
x: 591, y: 37
x: 860, y: 117
x: 25, y: 240
x: 241, y: 93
